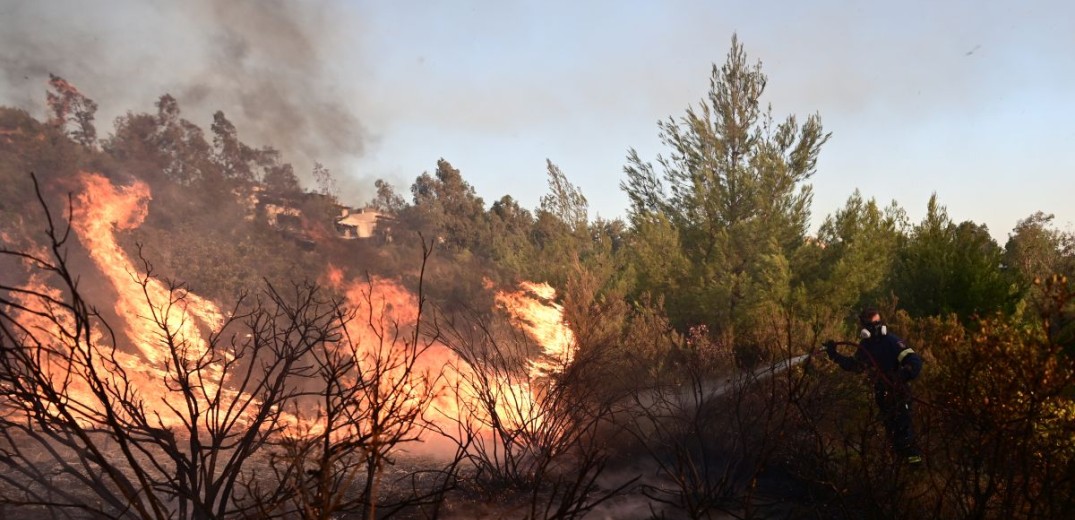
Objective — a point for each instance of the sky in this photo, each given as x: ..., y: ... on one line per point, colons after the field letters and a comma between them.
x: 970, y: 100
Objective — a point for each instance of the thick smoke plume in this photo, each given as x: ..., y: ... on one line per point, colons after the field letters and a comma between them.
x: 269, y: 65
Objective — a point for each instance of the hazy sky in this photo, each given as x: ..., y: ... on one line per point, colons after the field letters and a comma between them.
x: 971, y: 100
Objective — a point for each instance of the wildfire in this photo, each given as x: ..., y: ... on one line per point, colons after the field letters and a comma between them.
x: 168, y: 326
x: 153, y: 315
x: 68, y: 354
x: 463, y: 394
x: 533, y: 309
x: 382, y: 336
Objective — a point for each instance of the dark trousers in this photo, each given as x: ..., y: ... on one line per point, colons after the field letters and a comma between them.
x: 895, y: 409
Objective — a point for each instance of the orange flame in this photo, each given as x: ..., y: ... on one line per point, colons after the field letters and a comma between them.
x: 534, y: 311
x: 160, y: 324
x: 531, y: 308
x: 150, y: 310
x: 64, y: 359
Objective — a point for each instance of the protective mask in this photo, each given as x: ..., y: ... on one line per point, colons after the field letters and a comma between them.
x: 873, y: 330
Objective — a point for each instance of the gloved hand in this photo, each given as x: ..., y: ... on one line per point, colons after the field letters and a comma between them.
x: 905, y: 374
x: 830, y: 348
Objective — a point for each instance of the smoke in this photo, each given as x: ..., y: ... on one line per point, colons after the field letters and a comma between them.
x: 272, y: 66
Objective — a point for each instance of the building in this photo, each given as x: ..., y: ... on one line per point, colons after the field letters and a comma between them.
x: 362, y: 223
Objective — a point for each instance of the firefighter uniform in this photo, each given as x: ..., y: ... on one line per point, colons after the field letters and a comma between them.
x: 890, y: 364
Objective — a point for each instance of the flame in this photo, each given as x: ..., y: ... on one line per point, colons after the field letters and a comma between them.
x: 47, y: 324
x: 386, y: 314
x: 144, y: 303
x: 160, y: 325
x: 159, y: 322
x: 64, y: 353
x: 534, y: 310
x: 334, y: 276
x: 460, y: 396
x: 65, y: 359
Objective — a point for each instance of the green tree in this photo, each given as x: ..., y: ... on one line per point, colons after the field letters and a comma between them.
x: 27, y: 145
x: 855, y: 253
x: 133, y: 143
x: 1039, y: 256
x: 234, y: 157
x: 164, y: 146
x: 509, y: 245
x: 326, y: 182
x: 564, y: 201
x: 948, y: 268
x: 657, y: 264
x: 187, y: 154
x: 445, y: 205
x: 277, y: 176
x: 1035, y: 249
x: 561, y: 231
x: 69, y: 108
x: 733, y: 191
x: 387, y: 200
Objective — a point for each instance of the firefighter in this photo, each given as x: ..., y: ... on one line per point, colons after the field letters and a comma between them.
x: 891, y: 365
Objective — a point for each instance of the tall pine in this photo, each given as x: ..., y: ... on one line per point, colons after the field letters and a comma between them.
x: 728, y: 201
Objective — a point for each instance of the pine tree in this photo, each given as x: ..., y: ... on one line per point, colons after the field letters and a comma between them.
x: 731, y: 194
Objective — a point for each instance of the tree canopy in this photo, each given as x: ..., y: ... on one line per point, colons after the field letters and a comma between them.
x: 733, y: 189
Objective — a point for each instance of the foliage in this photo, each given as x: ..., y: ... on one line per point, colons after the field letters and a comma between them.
x: 860, y: 243
x: 446, y: 207
x: 948, y: 268
x: 1006, y: 420
x: 71, y: 109
x: 1036, y: 251
x: 733, y: 191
